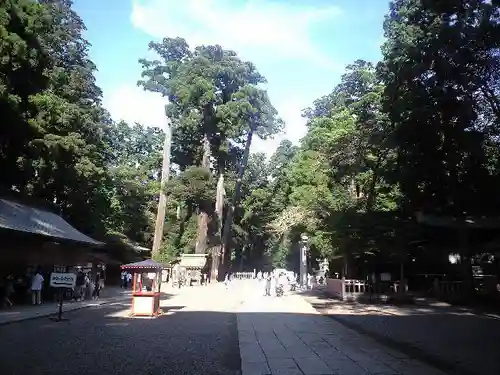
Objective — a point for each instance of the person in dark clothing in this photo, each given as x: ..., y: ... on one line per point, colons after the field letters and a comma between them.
x: 79, y: 293
x: 6, y: 291
x: 97, y: 287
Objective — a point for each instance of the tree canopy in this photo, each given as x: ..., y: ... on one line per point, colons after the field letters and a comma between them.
x: 416, y: 132
x: 57, y: 142
x: 214, y: 103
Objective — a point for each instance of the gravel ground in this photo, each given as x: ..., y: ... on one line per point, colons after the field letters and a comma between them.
x: 98, y: 341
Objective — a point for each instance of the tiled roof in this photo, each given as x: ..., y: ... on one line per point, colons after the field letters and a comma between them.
x: 145, y: 264
x: 196, y: 261
x: 23, y: 218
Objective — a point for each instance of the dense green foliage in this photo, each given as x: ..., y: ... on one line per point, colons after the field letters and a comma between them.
x: 214, y: 104
x: 416, y: 132
x: 57, y: 143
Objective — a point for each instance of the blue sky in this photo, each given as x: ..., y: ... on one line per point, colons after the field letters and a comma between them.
x: 301, y: 46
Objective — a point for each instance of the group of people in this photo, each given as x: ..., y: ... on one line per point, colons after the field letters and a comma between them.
x: 86, y: 286
x: 125, y: 279
x: 13, y: 287
x: 276, y: 282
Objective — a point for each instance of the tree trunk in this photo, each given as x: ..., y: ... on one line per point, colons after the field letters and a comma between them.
x: 182, y: 225
x: 219, y: 209
x: 402, y: 283
x: 370, y: 200
x: 372, y: 193
x: 201, y: 235
x: 162, y: 203
x: 226, y: 235
x: 242, y: 252
x: 466, y: 263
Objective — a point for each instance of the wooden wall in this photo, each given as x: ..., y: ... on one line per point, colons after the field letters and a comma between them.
x: 18, y: 251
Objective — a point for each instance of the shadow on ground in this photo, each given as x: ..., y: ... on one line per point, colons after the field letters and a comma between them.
x: 449, y: 338
x: 104, y: 340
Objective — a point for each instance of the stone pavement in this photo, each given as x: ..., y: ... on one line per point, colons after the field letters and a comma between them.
x: 288, y: 336
x: 28, y: 312
x: 454, y: 339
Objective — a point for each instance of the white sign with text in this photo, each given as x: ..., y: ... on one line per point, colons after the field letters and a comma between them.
x: 62, y: 280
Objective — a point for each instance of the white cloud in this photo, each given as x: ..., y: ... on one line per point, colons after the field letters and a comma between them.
x: 291, y: 113
x: 248, y: 27
x: 256, y: 29
x: 133, y: 104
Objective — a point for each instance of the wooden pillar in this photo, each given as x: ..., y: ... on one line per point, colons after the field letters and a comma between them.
x: 465, y: 260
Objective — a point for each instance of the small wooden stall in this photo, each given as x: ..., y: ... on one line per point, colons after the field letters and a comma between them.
x: 146, y: 286
x: 193, y: 266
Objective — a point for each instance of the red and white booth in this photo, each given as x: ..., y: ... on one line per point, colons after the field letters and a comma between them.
x: 146, y: 286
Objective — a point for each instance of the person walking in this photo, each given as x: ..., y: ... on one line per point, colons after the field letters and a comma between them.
x: 268, y: 278
x: 97, y: 287
x: 9, y: 290
x: 6, y: 291
x: 36, y: 287
x: 123, y: 278
x: 88, y: 286
x: 283, y: 282
x: 79, y: 293
x: 275, y: 282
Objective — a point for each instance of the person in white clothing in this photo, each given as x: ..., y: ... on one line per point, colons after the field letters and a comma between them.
x: 274, y: 282
x: 36, y: 288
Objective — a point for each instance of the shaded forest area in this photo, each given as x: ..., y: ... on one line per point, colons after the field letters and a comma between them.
x: 399, y: 160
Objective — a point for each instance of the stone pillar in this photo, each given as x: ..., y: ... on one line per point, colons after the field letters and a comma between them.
x: 303, y: 264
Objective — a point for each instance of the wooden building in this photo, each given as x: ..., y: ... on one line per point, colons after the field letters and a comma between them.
x: 32, y: 236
